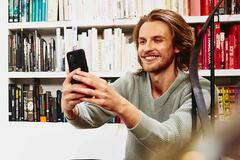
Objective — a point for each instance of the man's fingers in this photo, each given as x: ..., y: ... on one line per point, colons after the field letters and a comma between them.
x: 90, y: 80
x: 69, y: 76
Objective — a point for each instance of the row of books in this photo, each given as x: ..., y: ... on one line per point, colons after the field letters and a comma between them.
x: 28, y: 102
x: 59, y: 10
x: 112, y: 51
x: 229, y: 101
x: 54, y: 10
x: 29, y: 10
x: 204, y: 7
x: 30, y: 52
x: 226, y: 47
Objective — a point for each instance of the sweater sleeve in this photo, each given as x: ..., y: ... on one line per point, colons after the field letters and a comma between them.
x: 92, y: 115
x: 172, y: 133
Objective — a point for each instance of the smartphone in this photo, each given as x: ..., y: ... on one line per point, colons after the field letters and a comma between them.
x: 77, y: 59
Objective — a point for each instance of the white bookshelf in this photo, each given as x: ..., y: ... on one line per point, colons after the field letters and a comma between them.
x: 204, y: 73
x: 221, y: 73
x: 59, y: 74
x: 108, y: 23
x: 34, y: 140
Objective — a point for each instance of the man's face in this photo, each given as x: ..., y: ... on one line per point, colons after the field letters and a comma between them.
x: 155, y: 50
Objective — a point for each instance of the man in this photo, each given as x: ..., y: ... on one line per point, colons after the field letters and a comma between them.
x: 154, y: 103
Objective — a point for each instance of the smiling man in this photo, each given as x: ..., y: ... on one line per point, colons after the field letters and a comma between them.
x: 155, y: 102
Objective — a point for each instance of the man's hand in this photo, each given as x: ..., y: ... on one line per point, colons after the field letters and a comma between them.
x: 100, y: 93
x: 70, y: 96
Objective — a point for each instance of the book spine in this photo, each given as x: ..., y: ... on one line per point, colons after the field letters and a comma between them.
x: 231, y: 51
x: 195, y: 7
x: 222, y: 49
x: 238, y: 44
x: 217, y: 47
x: 10, y: 99
x: 10, y: 11
x: 226, y: 53
x: 205, y: 7
x: 60, y: 115
x: 44, y: 10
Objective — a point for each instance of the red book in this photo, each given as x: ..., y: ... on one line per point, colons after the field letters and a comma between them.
x: 226, y: 53
x: 233, y: 30
x: 217, y: 45
x: 222, y: 50
x: 206, y: 49
x: 200, y: 56
x: 206, y: 7
x: 232, y: 53
x: 195, y: 7
x: 238, y: 46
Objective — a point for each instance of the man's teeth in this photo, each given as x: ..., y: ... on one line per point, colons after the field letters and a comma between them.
x: 150, y: 57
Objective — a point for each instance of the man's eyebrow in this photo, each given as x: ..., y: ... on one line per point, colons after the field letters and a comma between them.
x: 157, y: 36
x: 142, y: 38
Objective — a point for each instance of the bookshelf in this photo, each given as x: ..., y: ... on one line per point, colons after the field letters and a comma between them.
x: 53, y: 137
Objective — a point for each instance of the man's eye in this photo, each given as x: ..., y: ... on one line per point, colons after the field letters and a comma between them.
x: 158, y: 40
x: 141, y: 42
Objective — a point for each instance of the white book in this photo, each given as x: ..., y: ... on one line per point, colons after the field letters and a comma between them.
x: 168, y: 4
x: 159, y: 4
x: 94, y: 49
x: 108, y: 38
x: 180, y: 7
x: 114, y: 10
x: 124, y: 53
x: 66, y: 9
x: 126, y: 8
x: 99, y: 55
x: 74, y: 38
x: 89, y: 46
x: 60, y: 10
x: 139, y: 8
x: 68, y: 43
x: 132, y: 5
x: 147, y: 6
x: 121, y: 8
x: 58, y: 49
x: 174, y: 5
x: 52, y: 10
x: 117, y: 50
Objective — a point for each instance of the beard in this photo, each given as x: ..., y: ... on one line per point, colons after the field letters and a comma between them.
x: 158, y: 66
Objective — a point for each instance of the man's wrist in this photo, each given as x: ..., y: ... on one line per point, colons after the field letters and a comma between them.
x: 129, y: 114
x: 71, y: 114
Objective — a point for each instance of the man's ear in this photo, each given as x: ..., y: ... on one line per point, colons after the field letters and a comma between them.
x: 176, y: 50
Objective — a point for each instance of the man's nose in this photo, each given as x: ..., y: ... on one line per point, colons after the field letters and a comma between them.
x: 148, y: 46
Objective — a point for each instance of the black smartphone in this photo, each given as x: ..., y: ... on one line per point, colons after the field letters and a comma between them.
x: 77, y: 59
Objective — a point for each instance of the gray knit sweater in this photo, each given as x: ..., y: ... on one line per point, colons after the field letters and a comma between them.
x: 165, y: 124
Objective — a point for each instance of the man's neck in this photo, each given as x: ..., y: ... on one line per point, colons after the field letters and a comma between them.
x: 161, y: 81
